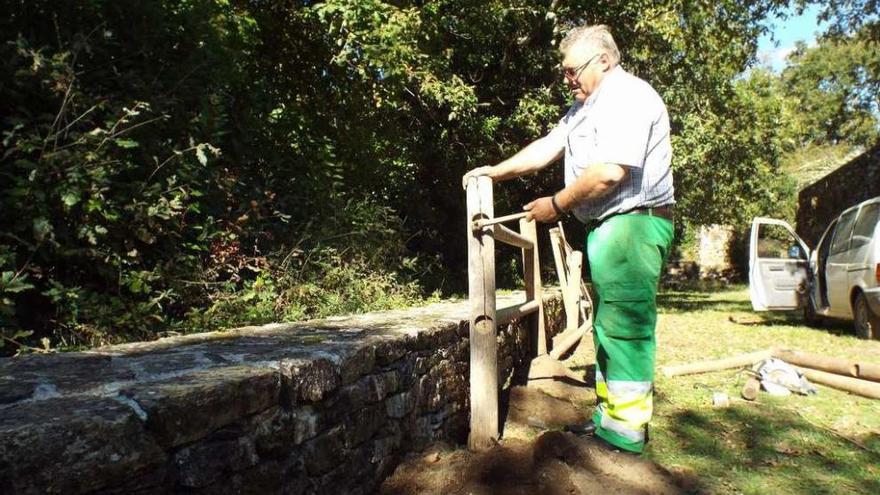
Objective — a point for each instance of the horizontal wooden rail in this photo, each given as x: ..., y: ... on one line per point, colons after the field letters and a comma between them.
x: 485, y: 222
x: 508, y: 236
x: 510, y: 313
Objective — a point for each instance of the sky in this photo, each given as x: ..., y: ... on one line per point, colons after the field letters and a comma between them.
x: 786, y: 33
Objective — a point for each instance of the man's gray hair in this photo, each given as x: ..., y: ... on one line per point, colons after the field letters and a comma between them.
x: 598, y: 37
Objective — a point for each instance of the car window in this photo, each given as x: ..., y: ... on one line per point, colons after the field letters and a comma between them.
x: 776, y: 242
x: 842, y: 233
x: 865, y: 225
x: 826, y: 240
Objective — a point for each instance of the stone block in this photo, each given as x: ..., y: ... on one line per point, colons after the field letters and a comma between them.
x: 361, y: 362
x: 362, y: 424
x: 389, y: 351
x: 388, y: 440
x: 205, y: 462
x: 309, y: 380
x: 187, y: 408
x: 352, y: 474
x: 399, y: 405
x: 424, y: 363
x: 322, y: 453
x: 278, y: 432
x: 46, y: 376
x: 406, y: 367
x: 73, y: 445
x: 381, y: 384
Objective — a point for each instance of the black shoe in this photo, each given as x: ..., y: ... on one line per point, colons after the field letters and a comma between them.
x: 587, y: 429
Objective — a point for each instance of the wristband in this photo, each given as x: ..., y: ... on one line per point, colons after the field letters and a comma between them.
x: 556, y: 207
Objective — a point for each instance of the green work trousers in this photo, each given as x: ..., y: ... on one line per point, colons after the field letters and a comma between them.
x: 626, y: 254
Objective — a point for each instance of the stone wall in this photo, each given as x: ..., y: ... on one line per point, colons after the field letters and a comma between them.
x: 714, y: 250
x: 320, y: 407
x: 822, y: 201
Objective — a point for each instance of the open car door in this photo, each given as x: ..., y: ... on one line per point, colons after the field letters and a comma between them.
x: 778, y: 266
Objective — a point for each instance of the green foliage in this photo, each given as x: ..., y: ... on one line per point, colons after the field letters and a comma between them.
x: 820, y: 111
x: 150, y: 158
x: 338, y: 267
x: 182, y: 165
x: 834, y: 86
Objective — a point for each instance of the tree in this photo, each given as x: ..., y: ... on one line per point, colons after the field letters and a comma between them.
x: 836, y: 86
x: 205, y: 163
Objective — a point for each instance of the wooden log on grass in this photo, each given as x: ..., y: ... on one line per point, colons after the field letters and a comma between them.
x: 751, y: 388
x: 845, y: 383
x: 855, y: 369
x: 484, y: 424
x: 738, y: 361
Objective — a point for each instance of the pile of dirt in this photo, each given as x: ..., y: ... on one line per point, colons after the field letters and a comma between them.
x: 535, y: 457
x: 553, y: 463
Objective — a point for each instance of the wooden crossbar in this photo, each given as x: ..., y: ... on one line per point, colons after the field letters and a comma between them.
x: 508, y: 314
x: 508, y: 236
x: 485, y: 222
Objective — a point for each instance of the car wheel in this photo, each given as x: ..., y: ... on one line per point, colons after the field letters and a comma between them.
x: 867, y: 324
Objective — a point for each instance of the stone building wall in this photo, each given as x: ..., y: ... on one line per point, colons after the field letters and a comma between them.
x: 822, y: 201
x: 325, y: 406
x: 714, y: 250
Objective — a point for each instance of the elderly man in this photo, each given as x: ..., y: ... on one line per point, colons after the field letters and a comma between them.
x: 615, y: 141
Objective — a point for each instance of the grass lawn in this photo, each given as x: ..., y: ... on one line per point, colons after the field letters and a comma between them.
x: 826, y: 443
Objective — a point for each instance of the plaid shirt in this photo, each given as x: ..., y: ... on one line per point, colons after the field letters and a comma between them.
x: 624, y: 122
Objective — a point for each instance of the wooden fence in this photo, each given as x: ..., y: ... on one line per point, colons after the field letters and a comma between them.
x: 483, y: 229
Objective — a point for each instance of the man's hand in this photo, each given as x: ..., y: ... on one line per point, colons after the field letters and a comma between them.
x: 487, y: 170
x: 541, y: 210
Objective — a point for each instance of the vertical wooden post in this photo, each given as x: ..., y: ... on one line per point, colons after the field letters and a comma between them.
x: 532, y: 277
x: 481, y: 291
x: 573, y: 292
x: 560, y: 257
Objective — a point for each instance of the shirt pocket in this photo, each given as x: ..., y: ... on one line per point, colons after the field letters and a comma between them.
x: 582, y: 145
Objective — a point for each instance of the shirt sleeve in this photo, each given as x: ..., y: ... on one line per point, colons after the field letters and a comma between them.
x: 623, y: 129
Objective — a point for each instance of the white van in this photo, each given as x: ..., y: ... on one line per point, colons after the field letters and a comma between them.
x: 839, y: 279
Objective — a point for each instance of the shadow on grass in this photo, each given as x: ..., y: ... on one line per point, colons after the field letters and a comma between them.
x: 683, y: 302
x: 762, y: 449
x: 677, y: 302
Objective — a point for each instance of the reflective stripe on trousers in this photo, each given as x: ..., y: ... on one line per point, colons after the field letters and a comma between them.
x: 625, y: 407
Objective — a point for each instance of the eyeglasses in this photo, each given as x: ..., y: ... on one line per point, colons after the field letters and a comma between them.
x: 573, y: 73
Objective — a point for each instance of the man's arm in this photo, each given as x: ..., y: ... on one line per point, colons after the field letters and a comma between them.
x: 595, y: 181
x: 537, y: 155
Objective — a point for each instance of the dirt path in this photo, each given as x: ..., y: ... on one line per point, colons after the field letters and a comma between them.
x: 535, y: 457
x: 553, y: 463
